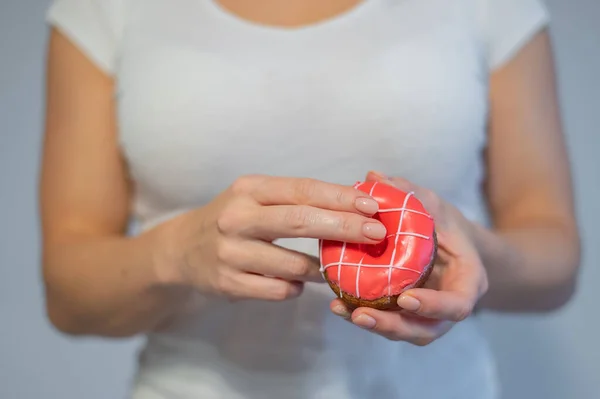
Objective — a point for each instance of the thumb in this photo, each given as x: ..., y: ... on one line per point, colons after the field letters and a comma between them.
x: 398, y: 182
x: 377, y: 176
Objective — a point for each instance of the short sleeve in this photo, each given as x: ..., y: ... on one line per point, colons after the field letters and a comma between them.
x: 94, y: 26
x: 508, y: 25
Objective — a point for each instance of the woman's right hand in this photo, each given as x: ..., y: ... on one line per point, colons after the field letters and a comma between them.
x: 226, y: 247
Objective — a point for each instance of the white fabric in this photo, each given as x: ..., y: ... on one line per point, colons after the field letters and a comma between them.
x: 204, y: 97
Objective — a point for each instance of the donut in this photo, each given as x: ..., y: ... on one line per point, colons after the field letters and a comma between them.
x: 375, y: 275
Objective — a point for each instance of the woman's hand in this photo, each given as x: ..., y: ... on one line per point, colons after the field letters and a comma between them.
x: 226, y: 248
x: 457, y: 282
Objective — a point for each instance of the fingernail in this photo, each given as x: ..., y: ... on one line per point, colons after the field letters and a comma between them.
x: 367, y: 205
x: 365, y: 321
x: 341, y: 311
x: 374, y: 231
x: 409, y: 303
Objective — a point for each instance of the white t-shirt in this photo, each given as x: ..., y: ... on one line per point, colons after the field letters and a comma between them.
x: 203, y: 97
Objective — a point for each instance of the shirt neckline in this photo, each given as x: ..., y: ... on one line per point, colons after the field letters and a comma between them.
x: 341, y: 18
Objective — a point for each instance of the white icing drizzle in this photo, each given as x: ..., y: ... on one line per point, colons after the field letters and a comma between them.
x: 321, y: 268
x: 340, y: 269
x: 361, y: 260
x: 357, y: 276
x: 332, y: 264
x: 398, y: 234
x: 404, y: 209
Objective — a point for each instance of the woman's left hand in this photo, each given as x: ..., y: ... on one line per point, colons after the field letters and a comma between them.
x: 456, y: 284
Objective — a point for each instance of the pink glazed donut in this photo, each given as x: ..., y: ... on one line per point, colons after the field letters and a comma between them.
x: 375, y: 275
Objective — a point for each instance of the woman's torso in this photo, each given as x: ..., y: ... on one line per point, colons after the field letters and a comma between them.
x: 203, y: 97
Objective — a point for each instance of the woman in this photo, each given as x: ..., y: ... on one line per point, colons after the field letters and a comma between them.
x: 231, y: 132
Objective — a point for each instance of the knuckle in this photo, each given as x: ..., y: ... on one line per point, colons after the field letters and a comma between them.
x: 281, y: 292
x: 304, y: 190
x: 346, y: 225
x: 298, y: 266
x: 463, y: 313
x: 243, y: 184
x: 225, y: 252
x: 228, y: 221
x: 232, y: 219
x: 342, y: 197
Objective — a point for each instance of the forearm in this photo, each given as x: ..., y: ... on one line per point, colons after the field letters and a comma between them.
x: 107, y: 286
x: 529, y: 268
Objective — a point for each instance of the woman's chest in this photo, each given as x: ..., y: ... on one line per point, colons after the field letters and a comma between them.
x: 201, y: 103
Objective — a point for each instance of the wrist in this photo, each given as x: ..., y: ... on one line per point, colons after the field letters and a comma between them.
x: 167, y: 255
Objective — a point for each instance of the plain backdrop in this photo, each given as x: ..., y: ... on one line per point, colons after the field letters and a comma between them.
x: 547, y: 357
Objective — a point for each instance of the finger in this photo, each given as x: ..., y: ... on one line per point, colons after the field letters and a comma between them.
x: 396, y: 327
x: 459, y: 290
x: 397, y: 182
x: 339, y: 307
x: 268, y: 259
x: 305, y: 221
x: 402, y: 326
x: 440, y: 305
x: 305, y: 191
x: 251, y: 286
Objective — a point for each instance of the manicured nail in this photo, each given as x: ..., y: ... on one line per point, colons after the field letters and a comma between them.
x: 367, y: 205
x: 341, y: 311
x: 409, y: 303
x: 374, y: 231
x: 365, y: 321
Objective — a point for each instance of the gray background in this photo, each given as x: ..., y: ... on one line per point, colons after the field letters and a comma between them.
x: 549, y: 357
